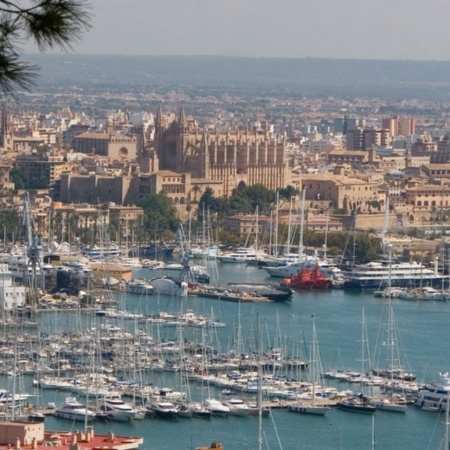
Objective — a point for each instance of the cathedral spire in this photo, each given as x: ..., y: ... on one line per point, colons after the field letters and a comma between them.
x: 159, y: 116
x: 182, y: 117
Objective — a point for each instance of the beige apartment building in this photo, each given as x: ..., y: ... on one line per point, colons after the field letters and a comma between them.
x: 47, y: 169
x: 428, y: 196
x: 343, y: 193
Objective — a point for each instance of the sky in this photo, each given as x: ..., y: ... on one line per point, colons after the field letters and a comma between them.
x: 361, y: 29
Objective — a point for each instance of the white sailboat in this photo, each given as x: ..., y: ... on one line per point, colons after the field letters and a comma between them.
x: 394, y: 371
x: 315, y: 366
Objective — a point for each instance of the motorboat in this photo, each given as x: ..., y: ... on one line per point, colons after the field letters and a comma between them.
x: 163, y: 408
x: 72, y: 409
x: 242, y: 255
x: 199, y: 410
x: 198, y: 273
x: 184, y: 411
x: 271, y: 291
x: 216, y: 407
x: 138, y: 287
x: 116, y: 409
x: 169, y: 286
x: 393, y: 292
x: 236, y: 406
x: 434, y: 397
x: 425, y: 293
x: 209, y: 252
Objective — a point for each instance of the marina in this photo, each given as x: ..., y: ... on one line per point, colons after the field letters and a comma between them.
x: 286, y: 347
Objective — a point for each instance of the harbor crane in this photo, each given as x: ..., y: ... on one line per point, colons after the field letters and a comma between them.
x: 34, y: 248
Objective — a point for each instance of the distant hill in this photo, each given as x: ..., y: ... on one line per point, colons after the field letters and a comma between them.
x: 321, y: 77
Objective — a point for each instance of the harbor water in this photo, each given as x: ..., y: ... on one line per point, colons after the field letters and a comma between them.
x: 423, y: 330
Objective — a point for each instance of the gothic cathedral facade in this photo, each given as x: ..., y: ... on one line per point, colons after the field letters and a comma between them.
x: 235, y: 157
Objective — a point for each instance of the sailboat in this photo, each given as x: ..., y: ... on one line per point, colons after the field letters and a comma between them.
x: 315, y: 365
x: 360, y: 403
x: 394, y: 371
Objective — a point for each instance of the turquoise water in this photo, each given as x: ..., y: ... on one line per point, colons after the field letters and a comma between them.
x: 423, y: 330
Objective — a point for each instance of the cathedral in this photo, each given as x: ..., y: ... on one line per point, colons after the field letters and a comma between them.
x: 234, y: 158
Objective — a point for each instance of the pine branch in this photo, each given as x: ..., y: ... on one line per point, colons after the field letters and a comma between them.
x: 50, y: 23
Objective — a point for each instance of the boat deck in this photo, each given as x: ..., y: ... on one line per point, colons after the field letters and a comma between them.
x: 220, y: 294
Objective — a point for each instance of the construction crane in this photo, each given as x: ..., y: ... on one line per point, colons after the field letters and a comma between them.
x: 34, y: 249
x: 186, y: 257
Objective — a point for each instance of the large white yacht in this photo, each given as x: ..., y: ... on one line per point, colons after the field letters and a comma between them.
x: 72, y: 409
x: 434, y: 397
x: 116, y: 409
x: 378, y: 274
x: 169, y: 286
x: 242, y: 255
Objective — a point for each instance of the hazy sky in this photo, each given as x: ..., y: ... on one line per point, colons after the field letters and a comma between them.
x: 368, y: 29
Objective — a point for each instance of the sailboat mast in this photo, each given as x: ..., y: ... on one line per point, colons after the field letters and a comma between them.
x: 313, y: 362
x: 259, y: 402
x: 276, y: 224
x: 325, y: 243
x: 446, y: 422
x: 302, y: 224
x: 256, y: 230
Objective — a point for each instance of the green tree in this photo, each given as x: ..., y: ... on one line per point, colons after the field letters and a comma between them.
x: 159, y: 215
x: 19, y: 178
x: 49, y: 23
x: 288, y: 192
x: 9, y: 223
x: 247, y: 199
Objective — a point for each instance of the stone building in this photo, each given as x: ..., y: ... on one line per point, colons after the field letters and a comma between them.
x: 344, y: 193
x: 114, y: 146
x: 234, y: 157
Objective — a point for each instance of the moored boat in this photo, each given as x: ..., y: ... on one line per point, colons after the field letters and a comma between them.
x: 434, y: 397
x: 377, y: 274
x: 72, y: 409
x: 169, y: 286
x: 307, y: 279
x: 138, y: 287
x: 271, y: 291
x: 360, y: 404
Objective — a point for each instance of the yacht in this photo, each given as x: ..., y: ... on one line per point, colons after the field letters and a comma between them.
x: 378, y: 274
x: 138, y: 287
x: 116, y: 409
x: 241, y: 255
x: 163, y: 408
x: 425, y: 293
x: 434, y: 397
x: 72, y: 409
x: 216, y: 407
x: 169, y: 286
x: 237, y: 406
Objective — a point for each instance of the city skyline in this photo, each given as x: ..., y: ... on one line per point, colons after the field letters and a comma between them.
x: 397, y: 30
